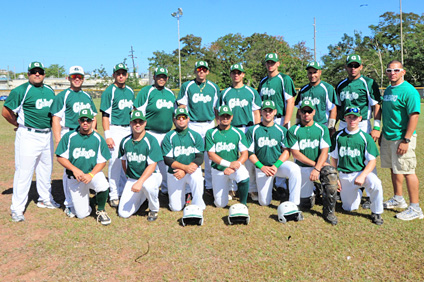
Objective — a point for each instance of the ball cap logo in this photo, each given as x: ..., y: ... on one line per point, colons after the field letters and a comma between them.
x: 354, y: 58
x: 314, y: 65
x: 181, y: 111
x: 34, y: 65
x: 268, y: 104
x: 271, y: 57
x: 137, y: 115
x: 161, y: 70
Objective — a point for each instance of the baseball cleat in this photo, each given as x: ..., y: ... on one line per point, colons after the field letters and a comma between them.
x: 68, y: 212
x: 114, y: 203
x: 376, y: 219
x: 103, y: 218
x: 152, y: 216
x: 48, y: 204
x: 17, y: 217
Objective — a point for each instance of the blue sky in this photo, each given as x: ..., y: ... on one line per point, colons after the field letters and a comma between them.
x: 92, y: 33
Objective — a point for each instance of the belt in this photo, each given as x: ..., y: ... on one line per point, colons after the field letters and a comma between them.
x: 38, y: 130
x: 247, y: 125
x: 121, y: 125
x: 278, y: 115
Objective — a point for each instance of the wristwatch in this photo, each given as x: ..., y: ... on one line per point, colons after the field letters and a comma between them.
x: 406, y: 140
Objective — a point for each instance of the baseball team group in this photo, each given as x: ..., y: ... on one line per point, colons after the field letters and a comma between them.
x: 155, y: 142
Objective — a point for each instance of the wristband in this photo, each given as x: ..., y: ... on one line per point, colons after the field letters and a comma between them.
x: 107, y: 134
x: 331, y: 123
x: 317, y: 170
x: 225, y: 163
x: 92, y: 176
x: 259, y: 165
x: 278, y: 163
x: 377, y: 124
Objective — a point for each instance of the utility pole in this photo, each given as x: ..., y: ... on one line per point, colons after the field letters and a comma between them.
x: 315, y: 40
x: 131, y: 55
x: 401, y: 35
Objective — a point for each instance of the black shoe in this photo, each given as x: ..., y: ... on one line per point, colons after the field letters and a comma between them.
x: 366, y: 204
x: 103, y: 218
x: 152, y: 216
x: 377, y: 219
x: 331, y: 218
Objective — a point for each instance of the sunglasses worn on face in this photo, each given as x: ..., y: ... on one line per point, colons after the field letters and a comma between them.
x: 75, y: 76
x: 202, y: 69
x: 353, y: 66
x: 306, y: 111
x: 86, y: 120
x: 35, y: 71
x: 394, y: 70
x: 181, y: 117
x: 352, y: 110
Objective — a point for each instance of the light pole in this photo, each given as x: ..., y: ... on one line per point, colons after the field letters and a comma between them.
x: 178, y: 14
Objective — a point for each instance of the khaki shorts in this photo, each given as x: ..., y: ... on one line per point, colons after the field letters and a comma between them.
x: 400, y: 164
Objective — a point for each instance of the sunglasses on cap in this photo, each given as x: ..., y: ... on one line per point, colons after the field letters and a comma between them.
x: 352, y: 110
x: 202, y: 69
x: 353, y: 66
x: 35, y: 71
x: 394, y: 70
x: 84, y: 119
x: 309, y: 111
x: 75, y: 76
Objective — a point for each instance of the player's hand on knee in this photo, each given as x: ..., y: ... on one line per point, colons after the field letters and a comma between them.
x: 86, y: 178
x: 339, y: 186
x: 229, y: 171
x: 137, y: 187
x: 78, y: 174
x: 179, y: 173
x: 268, y: 170
x: 110, y: 143
x: 359, y: 180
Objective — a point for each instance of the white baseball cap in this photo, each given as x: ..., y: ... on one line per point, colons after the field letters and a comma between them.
x: 76, y: 70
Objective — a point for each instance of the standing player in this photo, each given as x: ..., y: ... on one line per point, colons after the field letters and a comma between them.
x: 84, y: 153
x: 182, y: 150
x: 279, y: 88
x: 116, y: 105
x: 322, y: 95
x: 309, y: 142
x: 401, y: 109
x: 227, y: 149
x: 27, y: 108
x: 354, y: 153
x: 140, y: 152
x: 269, y: 152
x: 200, y: 97
x: 65, y: 112
x: 156, y: 102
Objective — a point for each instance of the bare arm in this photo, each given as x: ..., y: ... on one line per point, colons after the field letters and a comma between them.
x: 257, y: 116
x: 375, y: 134
x: 10, y: 116
x: 289, y: 112
x: 106, y: 126
x: 412, y: 125
x: 56, y: 128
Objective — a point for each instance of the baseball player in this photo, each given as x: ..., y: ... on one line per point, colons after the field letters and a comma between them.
x: 353, y: 152
x: 268, y: 151
x: 309, y: 142
x: 182, y: 150
x: 65, y: 111
x: 156, y: 102
x: 140, y: 152
x: 200, y: 97
x: 84, y: 153
x: 27, y: 108
x: 245, y: 103
x: 322, y: 95
x: 116, y: 105
x: 227, y: 148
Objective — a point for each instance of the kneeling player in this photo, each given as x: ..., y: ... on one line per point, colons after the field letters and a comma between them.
x: 83, y: 153
x: 223, y: 144
x: 140, y: 153
x: 354, y: 154
x: 269, y: 153
x: 182, y: 150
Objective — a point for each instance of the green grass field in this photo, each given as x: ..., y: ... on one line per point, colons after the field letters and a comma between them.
x: 49, y: 246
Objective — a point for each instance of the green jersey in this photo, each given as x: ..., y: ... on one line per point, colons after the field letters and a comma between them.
x: 157, y: 106
x: 139, y: 154
x: 267, y: 143
x: 353, y: 150
x: 279, y: 89
x: 225, y: 143
x: 67, y: 105
x: 118, y: 103
x: 182, y: 146
x: 83, y: 151
x: 309, y: 140
x: 399, y: 102
x: 362, y: 93
x: 31, y: 104
x: 323, y: 97
x: 242, y: 101
x: 200, y: 99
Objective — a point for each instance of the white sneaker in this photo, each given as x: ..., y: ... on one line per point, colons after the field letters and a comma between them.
x: 392, y: 203
x: 68, y: 212
x: 17, y: 217
x: 254, y: 196
x: 410, y: 214
x: 48, y: 204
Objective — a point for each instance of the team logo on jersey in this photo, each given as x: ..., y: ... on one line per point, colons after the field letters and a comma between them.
x: 43, y: 103
x: 82, y: 153
x: 222, y: 146
x: 390, y: 98
x: 307, y: 143
x: 162, y: 103
x: 348, y: 95
x: 236, y: 102
x: 133, y: 157
x: 125, y: 104
x: 267, y: 91
x: 201, y: 98
x: 78, y: 106
x: 181, y: 150
x: 349, y: 152
x: 314, y: 101
x: 265, y: 141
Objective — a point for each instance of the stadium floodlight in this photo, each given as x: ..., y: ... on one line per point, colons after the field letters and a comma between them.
x: 178, y: 14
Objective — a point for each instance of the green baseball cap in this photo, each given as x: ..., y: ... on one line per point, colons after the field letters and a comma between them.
x: 225, y: 110
x: 87, y: 113
x: 180, y: 111
x: 35, y: 65
x: 238, y: 66
x: 271, y: 57
x: 268, y: 104
x: 201, y: 64
x: 307, y: 103
x: 137, y: 115
x: 353, y: 59
x: 353, y: 111
x: 161, y: 70
x: 314, y: 65
x: 120, y: 66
